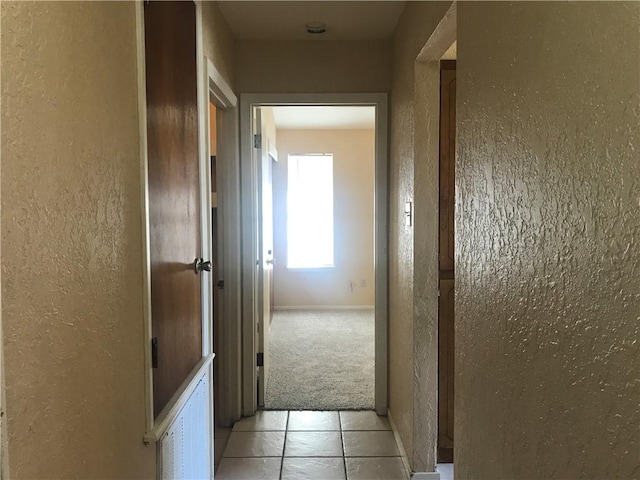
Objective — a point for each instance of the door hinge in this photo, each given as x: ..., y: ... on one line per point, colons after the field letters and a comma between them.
x: 257, y: 141
x: 146, y: 2
x: 154, y: 352
x: 220, y: 284
x: 438, y: 292
x: 260, y: 359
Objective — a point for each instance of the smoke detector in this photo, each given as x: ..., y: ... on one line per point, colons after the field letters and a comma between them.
x: 315, y: 28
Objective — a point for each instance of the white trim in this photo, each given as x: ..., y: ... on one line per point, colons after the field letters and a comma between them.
x: 228, y: 248
x: 179, y: 399
x: 205, y: 188
x: 249, y: 249
x: 381, y: 252
x: 323, y: 307
x: 206, y: 241
x: 144, y: 201
x: 219, y: 88
x: 426, y: 476
x: 248, y: 261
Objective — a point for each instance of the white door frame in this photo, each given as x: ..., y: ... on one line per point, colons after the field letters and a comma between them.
x: 249, y: 214
x: 228, y: 248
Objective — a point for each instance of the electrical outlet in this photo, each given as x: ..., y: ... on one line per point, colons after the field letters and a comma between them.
x: 363, y: 283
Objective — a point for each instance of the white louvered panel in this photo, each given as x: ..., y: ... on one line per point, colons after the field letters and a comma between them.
x: 168, y: 456
x: 185, y: 449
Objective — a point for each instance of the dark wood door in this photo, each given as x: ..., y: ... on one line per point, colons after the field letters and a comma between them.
x: 174, y: 193
x: 446, y: 306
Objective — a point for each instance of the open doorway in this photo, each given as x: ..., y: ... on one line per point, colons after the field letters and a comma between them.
x: 316, y: 168
x: 446, y: 263
x: 300, y: 270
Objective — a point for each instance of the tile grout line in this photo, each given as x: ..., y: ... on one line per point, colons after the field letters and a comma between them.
x: 284, y: 445
x: 344, y: 453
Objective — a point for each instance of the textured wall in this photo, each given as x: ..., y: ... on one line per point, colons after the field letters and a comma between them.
x: 269, y: 66
x: 416, y: 24
x: 71, y: 242
x: 548, y: 260
x: 353, y: 173
x: 218, y: 41
x: 426, y: 273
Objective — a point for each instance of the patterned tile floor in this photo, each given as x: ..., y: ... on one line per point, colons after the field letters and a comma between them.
x: 309, y: 445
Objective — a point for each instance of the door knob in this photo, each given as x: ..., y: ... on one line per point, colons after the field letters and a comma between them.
x: 199, y: 265
x: 269, y: 261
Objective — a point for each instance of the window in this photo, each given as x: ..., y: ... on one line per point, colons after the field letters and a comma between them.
x: 310, y: 211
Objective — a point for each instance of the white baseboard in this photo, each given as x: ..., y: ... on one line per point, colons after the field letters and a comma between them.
x: 426, y: 476
x: 403, y: 452
x: 323, y: 307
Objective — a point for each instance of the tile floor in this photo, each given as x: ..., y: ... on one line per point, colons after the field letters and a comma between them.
x: 309, y: 445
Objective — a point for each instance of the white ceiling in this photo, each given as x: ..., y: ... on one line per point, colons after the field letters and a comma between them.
x: 324, y: 117
x: 285, y: 20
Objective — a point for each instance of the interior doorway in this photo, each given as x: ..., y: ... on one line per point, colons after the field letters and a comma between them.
x: 224, y: 212
x: 273, y: 279
x: 316, y: 316
x: 446, y: 261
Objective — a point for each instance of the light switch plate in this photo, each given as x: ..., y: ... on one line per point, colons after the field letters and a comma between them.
x: 408, y: 214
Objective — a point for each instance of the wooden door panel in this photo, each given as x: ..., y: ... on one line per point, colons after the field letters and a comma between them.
x: 446, y: 312
x: 174, y: 196
x: 447, y: 168
x: 446, y: 304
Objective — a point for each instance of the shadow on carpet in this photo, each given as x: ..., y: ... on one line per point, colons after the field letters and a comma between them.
x: 321, y: 360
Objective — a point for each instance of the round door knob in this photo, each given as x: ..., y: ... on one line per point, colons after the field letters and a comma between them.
x: 269, y: 261
x: 200, y: 265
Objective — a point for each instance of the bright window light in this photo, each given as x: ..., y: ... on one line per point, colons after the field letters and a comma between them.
x: 310, y: 211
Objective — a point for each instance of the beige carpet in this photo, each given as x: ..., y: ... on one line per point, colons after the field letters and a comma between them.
x: 321, y: 360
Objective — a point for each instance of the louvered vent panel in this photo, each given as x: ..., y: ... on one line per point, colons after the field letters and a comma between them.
x: 185, y: 449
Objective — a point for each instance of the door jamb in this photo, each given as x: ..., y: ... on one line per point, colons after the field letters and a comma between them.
x: 248, y: 188
x: 228, y: 251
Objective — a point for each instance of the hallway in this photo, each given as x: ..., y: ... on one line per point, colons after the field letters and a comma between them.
x: 546, y: 229
x: 354, y: 445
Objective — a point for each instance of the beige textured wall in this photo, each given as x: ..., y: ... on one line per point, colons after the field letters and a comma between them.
x: 218, y: 41
x: 71, y: 242
x: 548, y: 261
x: 353, y: 172
x: 313, y: 66
x: 416, y: 25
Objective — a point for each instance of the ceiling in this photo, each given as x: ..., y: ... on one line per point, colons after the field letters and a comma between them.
x: 345, y: 20
x: 350, y: 118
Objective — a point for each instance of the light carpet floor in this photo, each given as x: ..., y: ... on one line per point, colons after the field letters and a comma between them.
x: 321, y: 360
